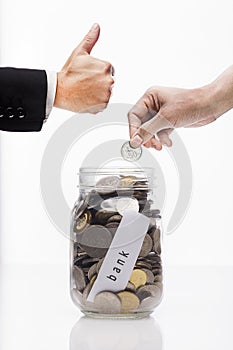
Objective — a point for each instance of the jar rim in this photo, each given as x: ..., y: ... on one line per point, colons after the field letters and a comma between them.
x: 114, y: 169
x: 89, y: 176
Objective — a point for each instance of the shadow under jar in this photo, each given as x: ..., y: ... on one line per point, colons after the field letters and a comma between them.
x: 106, y: 197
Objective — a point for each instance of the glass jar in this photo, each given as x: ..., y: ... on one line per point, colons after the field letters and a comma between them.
x: 116, y: 268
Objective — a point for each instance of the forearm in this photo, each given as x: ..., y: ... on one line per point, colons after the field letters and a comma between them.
x: 221, y: 93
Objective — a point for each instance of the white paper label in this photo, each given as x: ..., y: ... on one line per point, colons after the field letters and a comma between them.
x: 122, y: 254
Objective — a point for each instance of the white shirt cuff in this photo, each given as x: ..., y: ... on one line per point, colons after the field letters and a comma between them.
x: 51, y: 92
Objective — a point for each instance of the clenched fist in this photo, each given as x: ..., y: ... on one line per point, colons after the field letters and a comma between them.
x: 84, y: 84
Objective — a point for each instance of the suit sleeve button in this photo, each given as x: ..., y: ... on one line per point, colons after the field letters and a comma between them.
x: 21, y: 113
x: 9, y: 112
x: 1, y: 112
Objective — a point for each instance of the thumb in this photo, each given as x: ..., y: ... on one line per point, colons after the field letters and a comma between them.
x: 148, y: 129
x: 89, y: 41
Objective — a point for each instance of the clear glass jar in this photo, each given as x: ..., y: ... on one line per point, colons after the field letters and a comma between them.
x: 116, y: 267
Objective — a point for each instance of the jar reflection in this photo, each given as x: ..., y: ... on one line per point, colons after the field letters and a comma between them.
x: 87, y: 334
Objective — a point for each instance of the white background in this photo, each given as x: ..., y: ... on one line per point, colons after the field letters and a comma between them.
x: 179, y: 43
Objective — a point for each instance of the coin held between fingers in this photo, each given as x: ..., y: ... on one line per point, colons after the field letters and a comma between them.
x: 129, y: 153
x: 136, y: 141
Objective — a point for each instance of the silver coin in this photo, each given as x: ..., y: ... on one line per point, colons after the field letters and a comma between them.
x: 142, y: 194
x: 81, y: 256
x: 79, y: 208
x: 157, y: 266
x: 157, y: 271
x: 149, y: 303
x: 97, y: 252
x: 103, y: 215
x: 155, y: 260
x: 152, y: 213
x: 149, y: 276
x: 129, y: 153
x: 108, y: 184
x: 143, y: 294
x: 76, y: 296
x: 143, y: 264
x: 131, y: 287
x: 96, y: 241
x: 79, y: 278
x: 110, y: 204
x: 160, y: 286
x: 155, y: 234
x: 88, y: 304
x: 112, y: 227
x: 114, y: 218
x: 93, y: 199
x: 99, y: 265
x: 143, y: 204
x: 158, y: 278
x: 152, y: 288
x: 146, y: 246
x: 125, y: 203
x: 142, y: 184
x: 157, y: 247
x: 108, y: 302
x: 120, y: 204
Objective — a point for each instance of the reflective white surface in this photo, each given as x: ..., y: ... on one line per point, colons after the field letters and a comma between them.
x: 36, y: 313
x: 116, y: 335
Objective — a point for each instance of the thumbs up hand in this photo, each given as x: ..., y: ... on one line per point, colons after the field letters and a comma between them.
x: 84, y: 84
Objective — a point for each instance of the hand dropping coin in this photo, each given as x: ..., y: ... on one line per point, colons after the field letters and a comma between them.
x: 129, y: 153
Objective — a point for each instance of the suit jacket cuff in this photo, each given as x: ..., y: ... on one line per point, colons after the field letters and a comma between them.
x: 51, y: 92
x: 23, y: 94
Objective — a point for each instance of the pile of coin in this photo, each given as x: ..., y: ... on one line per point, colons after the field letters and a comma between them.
x: 95, y: 219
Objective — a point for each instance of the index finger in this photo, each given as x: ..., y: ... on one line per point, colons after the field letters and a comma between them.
x: 140, y: 113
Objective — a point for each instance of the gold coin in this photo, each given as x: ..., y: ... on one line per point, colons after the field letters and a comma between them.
x: 128, y: 181
x: 82, y: 221
x: 92, y: 280
x: 129, y: 301
x: 138, y: 278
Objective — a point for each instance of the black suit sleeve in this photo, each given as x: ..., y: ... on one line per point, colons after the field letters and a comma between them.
x: 23, y: 94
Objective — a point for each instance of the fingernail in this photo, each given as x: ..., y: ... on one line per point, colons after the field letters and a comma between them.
x: 136, y: 141
x: 95, y: 26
